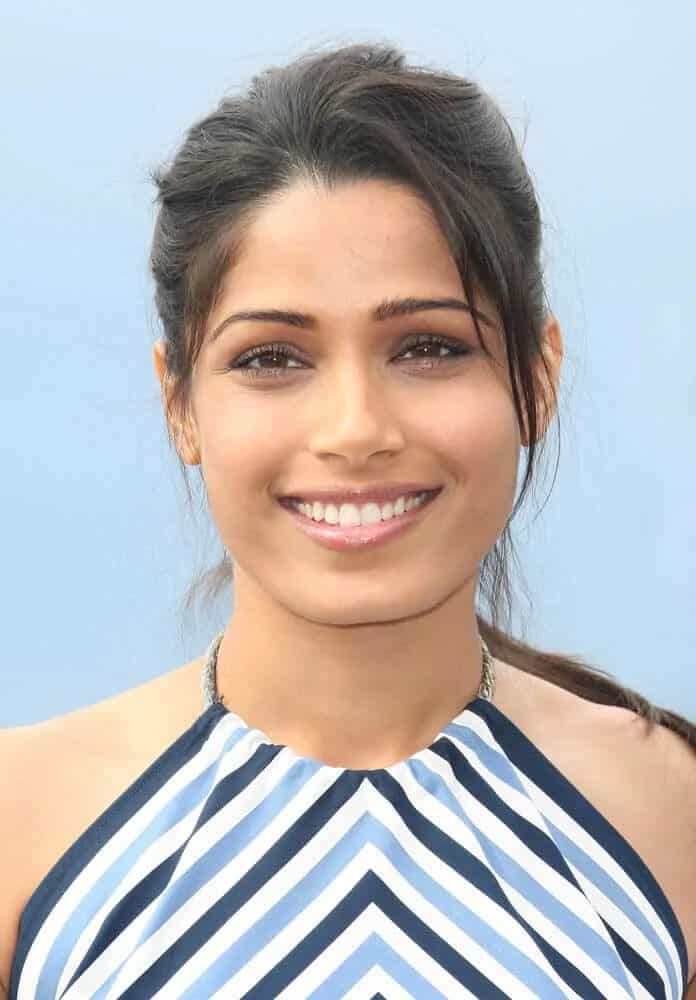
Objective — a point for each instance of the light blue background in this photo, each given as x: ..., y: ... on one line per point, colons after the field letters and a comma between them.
x: 98, y: 547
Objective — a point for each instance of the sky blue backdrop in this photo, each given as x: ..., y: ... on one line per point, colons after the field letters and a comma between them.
x: 98, y: 546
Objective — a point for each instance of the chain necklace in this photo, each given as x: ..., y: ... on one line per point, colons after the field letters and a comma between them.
x: 209, y: 684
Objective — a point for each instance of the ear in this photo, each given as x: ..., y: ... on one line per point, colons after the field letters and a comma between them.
x: 552, y: 349
x: 184, y: 432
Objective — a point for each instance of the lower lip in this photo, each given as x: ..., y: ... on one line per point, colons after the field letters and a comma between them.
x: 359, y: 536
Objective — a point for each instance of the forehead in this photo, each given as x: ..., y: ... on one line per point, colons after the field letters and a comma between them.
x: 367, y: 239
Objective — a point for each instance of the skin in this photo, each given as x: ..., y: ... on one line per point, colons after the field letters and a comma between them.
x: 354, y: 659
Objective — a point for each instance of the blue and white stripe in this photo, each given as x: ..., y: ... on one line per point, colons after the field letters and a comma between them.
x: 234, y: 868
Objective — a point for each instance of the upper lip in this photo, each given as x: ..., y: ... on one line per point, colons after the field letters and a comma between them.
x: 380, y: 492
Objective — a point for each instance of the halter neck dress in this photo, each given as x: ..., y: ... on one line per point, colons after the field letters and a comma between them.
x: 233, y: 867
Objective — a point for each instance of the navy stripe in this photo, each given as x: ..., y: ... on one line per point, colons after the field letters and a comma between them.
x: 153, y: 885
x: 98, y: 833
x: 493, y: 870
x: 637, y: 965
x: 284, y: 849
x: 528, y: 758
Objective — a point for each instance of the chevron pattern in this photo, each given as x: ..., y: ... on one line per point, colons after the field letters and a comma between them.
x: 235, y: 868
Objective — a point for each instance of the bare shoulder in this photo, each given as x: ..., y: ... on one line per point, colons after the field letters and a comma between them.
x: 17, y: 749
x: 90, y: 756
x: 659, y: 766
x: 27, y: 757
x: 641, y: 779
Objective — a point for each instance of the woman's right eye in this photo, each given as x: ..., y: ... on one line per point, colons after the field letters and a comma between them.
x: 265, y: 350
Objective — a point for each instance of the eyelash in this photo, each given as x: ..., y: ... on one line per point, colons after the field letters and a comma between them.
x: 282, y: 350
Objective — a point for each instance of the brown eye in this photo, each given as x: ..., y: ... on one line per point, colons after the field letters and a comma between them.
x: 273, y: 351
x: 432, y: 344
x: 435, y: 342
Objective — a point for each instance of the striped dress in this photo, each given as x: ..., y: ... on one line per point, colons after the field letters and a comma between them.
x: 233, y: 867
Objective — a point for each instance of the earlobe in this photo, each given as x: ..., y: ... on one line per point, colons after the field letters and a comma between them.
x: 553, y: 345
x: 159, y: 362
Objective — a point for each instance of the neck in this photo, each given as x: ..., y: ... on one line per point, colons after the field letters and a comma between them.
x: 362, y: 696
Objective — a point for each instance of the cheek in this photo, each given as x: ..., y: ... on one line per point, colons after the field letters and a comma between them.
x: 242, y: 451
x: 480, y: 441
x: 477, y: 430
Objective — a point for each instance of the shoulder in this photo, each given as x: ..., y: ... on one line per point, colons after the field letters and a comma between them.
x: 648, y: 791
x: 57, y: 776
x: 641, y: 779
x: 138, y: 718
x: 660, y: 766
x: 21, y: 761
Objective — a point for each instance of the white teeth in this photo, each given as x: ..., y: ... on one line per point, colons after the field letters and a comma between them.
x: 349, y: 514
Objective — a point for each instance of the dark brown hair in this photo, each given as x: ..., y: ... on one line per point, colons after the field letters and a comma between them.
x: 360, y: 112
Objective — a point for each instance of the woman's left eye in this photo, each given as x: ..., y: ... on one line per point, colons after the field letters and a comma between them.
x: 433, y: 343
x: 455, y: 347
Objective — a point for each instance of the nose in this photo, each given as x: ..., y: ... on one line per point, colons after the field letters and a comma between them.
x: 355, y: 415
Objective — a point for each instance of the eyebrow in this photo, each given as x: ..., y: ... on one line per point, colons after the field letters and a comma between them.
x: 388, y: 309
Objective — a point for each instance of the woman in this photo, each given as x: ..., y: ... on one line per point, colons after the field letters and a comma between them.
x: 363, y: 781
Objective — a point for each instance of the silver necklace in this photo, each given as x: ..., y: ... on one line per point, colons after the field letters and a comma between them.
x: 209, y: 684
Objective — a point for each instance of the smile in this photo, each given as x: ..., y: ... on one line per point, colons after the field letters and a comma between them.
x: 351, y: 526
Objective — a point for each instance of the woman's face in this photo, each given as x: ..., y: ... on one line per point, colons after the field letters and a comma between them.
x: 353, y: 404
